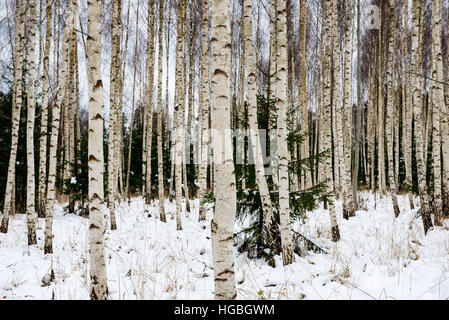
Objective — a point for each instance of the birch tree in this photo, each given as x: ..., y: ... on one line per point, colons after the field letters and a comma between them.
x: 56, y: 113
x: 281, y: 91
x: 222, y: 224
x: 268, y: 216
x: 417, y: 109
x: 204, y: 110
x: 31, y: 106
x: 437, y: 99
x: 327, y: 110
x: 42, y: 195
x: 390, y: 110
x: 98, y: 285
x: 9, y: 202
x: 160, y: 163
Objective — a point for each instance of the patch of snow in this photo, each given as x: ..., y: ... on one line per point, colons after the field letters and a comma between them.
x: 378, y: 257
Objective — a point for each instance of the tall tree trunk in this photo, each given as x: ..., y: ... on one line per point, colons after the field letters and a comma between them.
x: 160, y: 163
x: 17, y: 106
x: 268, y: 216
x: 327, y: 111
x: 56, y: 114
x: 150, y: 99
x: 391, y: 110
x: 98, y: 284
x: 281, y: 91
x: 204, y: 112
x: 346, y: 124
x: 42, y: 199
x: 445, y: 144
x: 303, y: 100
x: 133, y: 107
x: 381, y: 109
x: 222, y: 224
x: 437, y: 95
x: 417, y: 108
x: 115, y: 73
x: 407, y: 110
x: 178, y: 113
x: 31, y: 106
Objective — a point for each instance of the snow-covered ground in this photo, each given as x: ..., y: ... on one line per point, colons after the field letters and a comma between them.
x: 378, y: 257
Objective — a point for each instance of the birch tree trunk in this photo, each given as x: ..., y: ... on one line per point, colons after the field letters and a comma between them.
x: 98, y: 285
x: 222, y: 224
x: 417, y: 108
x: 346, y: 126
x: 150, y: 84
x: 407, y: 107
x: 31, y: 106
x: 115, y: 74
x: 204, y: 116
x: 178, y: 113
x: 160, y: 163
x: 303, y: 100
x: 56, y: 113
x: 131, y: 125
x: 437, y: 95
x: 445, y: 145
x: 327, y: 112
x: 381, y: 116
x: 391, y: 110
x: 268, y: 216
x: 17, y: 106
x: 281, y: 91
x: 44, y: 119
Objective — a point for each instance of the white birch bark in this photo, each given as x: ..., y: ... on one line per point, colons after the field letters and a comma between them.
x: 417, y: 108
x: 222, y: 224
x: 268, y: 216
x: 160, y: 163
x: 204, y: 112
x: 31, y: 104
x: 56, y: 113
x: 281, y: 91
x: 98, y: 282
x: 327, y: 112
x: 115, y: 72
x: 390, y: 111
x: 9, y: 202
x: 42, y: 194
x: 437, y: 100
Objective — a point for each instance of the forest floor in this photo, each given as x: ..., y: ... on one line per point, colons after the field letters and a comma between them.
x: 378, y: 257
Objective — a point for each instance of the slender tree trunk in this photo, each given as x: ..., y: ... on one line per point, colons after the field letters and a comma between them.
x: 407, y: 107
x: 31, y: 106
x: 346, y: 124
x: 303, y: 100
x: 225, y: 206
x: 160, y: 163
x: 437, y: 95
x: 284, y: 190
x: 327, y: 128
x: 115, y: 73
x: 390, y: 111
x: 56, y: 114
x: 42, y: 199
x: 268, y: 216
x: 204, y: 117
x: 417, y: 107
x: 178, y: 113
x: 131, y: 125
x: 98, y: 285
x: 17, y: 106
x: 445, y: 144
x: 150, y: 84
